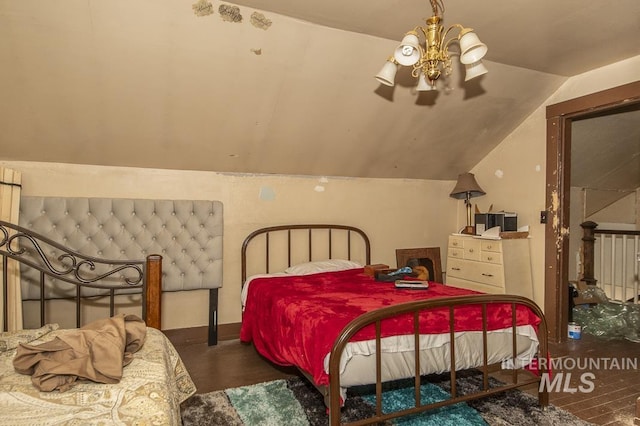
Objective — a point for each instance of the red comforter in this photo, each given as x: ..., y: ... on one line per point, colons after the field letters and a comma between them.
x: 294, y: 320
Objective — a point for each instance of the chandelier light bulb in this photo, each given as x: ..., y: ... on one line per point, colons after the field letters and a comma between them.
x: 407, y: 50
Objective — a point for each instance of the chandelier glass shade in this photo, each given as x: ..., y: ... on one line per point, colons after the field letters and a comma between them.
x: 431, y: 58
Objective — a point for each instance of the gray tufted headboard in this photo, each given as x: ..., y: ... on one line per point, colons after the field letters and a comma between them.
x: 188, y: 235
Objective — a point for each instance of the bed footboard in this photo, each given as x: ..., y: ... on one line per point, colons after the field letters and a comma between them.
x: 31, y: 259
x: 414, y: 309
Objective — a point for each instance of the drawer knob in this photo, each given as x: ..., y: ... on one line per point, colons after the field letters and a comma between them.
x: 470, y: 250
x: 455, y: 269
x: 489, y: 246
x: 487, y: 275
x: 455, y: 243
x: 490, y: 258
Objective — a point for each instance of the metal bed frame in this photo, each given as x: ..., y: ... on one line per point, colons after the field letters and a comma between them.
x: 332, y: 393
x: 52, y: 260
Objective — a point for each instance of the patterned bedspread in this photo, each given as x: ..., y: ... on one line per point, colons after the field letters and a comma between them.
x: 150, y: 392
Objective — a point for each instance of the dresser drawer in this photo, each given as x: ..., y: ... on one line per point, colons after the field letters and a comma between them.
x: 456, y: 242
x: 480, y: 272
x: 472, y: 249
x: 490, y: 266
x: 486, y: 273
x: 469, y: 247
x: 455, y: 253
x: 464, y: 248
x: 471, y: 285
x: 491, y: 257
x: 492, y: 246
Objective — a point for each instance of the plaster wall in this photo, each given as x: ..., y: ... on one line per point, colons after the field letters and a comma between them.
x: 513, y: 174
x: 396, y: 213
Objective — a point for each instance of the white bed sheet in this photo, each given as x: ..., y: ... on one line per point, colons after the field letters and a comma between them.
x: 357, y: 364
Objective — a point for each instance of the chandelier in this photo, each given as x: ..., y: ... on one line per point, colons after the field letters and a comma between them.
x: 433, y: 58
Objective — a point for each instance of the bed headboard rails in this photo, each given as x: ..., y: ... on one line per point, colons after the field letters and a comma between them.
x: 187, y: 234
x: 304, y: 243
x: 51, y: 260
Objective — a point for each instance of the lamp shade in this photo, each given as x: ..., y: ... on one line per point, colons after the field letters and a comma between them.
x: 408, y: 52
x: 471, y: 48
x: 466, y: 185
x: 474, y: 70
x: 387, y: 74
x: 424, y: 85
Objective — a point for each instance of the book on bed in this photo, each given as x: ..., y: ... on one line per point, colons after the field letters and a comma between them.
x: 414, y: 284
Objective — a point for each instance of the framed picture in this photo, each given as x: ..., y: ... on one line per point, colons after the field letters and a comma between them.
x: 428, y: 257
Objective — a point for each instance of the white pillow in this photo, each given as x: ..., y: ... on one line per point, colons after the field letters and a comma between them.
x: 316, y: 267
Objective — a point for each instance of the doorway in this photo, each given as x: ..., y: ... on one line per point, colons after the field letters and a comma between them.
x: 559, y: 118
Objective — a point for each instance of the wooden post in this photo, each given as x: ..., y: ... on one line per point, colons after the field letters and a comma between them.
x: 153, y: 295
x: 588, y: 252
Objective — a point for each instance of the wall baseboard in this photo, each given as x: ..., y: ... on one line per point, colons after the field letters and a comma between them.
x: 193, y: 335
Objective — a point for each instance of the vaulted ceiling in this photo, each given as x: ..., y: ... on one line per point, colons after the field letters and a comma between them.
x: 282, y: 86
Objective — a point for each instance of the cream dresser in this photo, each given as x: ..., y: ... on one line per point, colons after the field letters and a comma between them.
x: 490, y: 266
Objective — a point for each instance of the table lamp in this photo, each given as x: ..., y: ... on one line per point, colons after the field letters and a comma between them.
x: 465, y: 189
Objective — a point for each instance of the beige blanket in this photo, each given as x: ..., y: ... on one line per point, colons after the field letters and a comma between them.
x: 97, y: 352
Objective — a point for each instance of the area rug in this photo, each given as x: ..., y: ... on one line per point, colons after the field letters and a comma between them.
x: 296, y: 402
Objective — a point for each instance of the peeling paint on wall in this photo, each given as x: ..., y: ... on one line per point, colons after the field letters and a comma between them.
x: 202, y: 8
x: 267, y: 194
x: 230, y: 13
x: 258, y: 20
x: 555, y: 202
x: 257, y: 51
x: 555, y: 223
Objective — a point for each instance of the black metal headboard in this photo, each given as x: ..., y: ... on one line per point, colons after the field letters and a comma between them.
x: 49, y: 264
x: 321, y: 242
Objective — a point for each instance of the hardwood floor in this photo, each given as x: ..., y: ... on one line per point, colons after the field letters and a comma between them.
x: 611, y: 369
x: 228, y: 364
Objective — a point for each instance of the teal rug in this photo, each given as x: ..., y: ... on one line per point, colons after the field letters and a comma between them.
x: 295, y: 402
